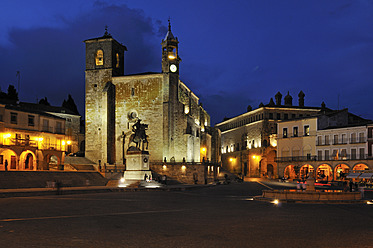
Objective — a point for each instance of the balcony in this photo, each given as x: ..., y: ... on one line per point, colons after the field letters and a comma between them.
x: 20, y: 142
x: 296, y: 159
x: 341, y: 142
x: 342, y: 157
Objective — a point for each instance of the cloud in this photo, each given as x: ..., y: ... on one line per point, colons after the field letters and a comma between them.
x: 52, y: 60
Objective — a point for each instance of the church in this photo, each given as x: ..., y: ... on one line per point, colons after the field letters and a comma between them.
x: 178, y: 126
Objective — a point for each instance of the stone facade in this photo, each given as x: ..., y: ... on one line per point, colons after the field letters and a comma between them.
x: 177, y: 123
x: 337, y: 142
x: 30, y: 141
x: 248, y: 144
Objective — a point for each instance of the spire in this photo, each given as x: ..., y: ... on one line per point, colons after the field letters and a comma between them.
x: 169, y: 35
x: 106, y: 34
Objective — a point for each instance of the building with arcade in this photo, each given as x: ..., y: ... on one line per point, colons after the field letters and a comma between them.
x: 328, y: 146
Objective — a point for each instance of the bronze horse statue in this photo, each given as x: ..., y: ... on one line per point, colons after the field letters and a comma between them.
x: 139, y: 136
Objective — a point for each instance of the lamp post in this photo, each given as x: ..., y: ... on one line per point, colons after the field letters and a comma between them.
x: 123, y: 137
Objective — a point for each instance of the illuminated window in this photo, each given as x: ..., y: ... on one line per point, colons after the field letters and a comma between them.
x: 99, y: 57
x: 117, y: 57
x: 307, y: 130
x: 295, y: 131
x: 285, y: 132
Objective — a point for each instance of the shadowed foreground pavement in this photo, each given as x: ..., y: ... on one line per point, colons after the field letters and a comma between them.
x: 221, y: 216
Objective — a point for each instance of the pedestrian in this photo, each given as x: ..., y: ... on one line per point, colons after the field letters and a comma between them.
x: 58, y: 188
x: 351, y: 184
x: 298, y: 185
x: 6, y: 164
x: 145, y: 177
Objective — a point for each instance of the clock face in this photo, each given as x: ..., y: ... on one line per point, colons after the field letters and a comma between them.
x: 173, y: 68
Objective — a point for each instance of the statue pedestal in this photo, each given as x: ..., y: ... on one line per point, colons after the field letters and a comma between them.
x: 137, y: 165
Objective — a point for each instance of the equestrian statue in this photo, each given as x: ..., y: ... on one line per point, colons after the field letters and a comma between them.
x: 139, y: 136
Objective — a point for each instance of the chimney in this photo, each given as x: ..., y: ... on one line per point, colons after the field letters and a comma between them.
x: 301, y: 99
x: 278, y: 97
x: 288, y: 100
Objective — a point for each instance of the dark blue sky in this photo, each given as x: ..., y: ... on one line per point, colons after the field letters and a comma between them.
x: 234, y: 53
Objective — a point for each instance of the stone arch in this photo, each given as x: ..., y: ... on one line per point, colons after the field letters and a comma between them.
x: 270, y: 170
x: 324, y: 172
x: 53, y: 161
x: 10, y: 157
x: 306, y: 170
x: 27, y: 160
x: 340, y: 172
x: 360, y: 166
x: 289, y: 172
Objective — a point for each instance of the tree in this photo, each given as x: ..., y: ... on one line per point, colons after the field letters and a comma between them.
x: 44, y: 101
x: 70, y: 104
x: 11, y: 96
x: 12, y: 93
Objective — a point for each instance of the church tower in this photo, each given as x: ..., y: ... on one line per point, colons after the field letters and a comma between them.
x: 170, y: 70
x: 170, y: 53
x: 104, y: 60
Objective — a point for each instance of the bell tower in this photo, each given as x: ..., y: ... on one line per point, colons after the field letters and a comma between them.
x: 170, y: 53
x: 104, y: 60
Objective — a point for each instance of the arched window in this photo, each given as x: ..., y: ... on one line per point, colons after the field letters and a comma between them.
x: 99, y: 57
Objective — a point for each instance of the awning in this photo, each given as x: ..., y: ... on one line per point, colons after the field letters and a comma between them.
x: 366, y: 175
x: 353, y: 175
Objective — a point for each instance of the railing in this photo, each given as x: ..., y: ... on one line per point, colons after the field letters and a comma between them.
x: 340, y: 142
x: 325, y: 158
x: 20, y: 142
x: 299, y: 134
x: 295, y: 158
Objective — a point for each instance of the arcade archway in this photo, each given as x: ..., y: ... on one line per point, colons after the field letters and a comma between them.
x: 324, y: 173
x: 9, y: 160
x: 27, y: 161
x: 53, y: 162
x: 341, y: 171
x: 290, y: 172
x: 360, y: 167
x: 306, y: 170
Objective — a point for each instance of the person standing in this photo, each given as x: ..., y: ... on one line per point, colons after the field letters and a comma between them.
x: 6, y: 165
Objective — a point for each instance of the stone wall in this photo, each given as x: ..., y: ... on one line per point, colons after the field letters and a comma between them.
x: 187, y: 173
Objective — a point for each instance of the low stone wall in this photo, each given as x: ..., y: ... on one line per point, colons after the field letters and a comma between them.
x: 311, y: 195
x: 187, y: 172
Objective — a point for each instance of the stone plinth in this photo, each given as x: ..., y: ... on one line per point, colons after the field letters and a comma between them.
x: 137, y: 165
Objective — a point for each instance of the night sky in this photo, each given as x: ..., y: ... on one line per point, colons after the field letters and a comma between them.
x: 234, y: 53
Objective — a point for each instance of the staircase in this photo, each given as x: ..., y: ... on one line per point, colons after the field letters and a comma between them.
x: 41, y: 179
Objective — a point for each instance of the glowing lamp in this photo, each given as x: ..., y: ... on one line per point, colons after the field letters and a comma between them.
x: 68, y: 142
x: 63, y: 142
x: 254, y: 157
x: 171, y: 56
x: 8, y: 135
x: 164, y: 167
x: 231, y: 159
x: 40, y: 139
x: 183, y: 167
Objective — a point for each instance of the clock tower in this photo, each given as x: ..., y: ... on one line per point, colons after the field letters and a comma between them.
x: 170, y: 53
